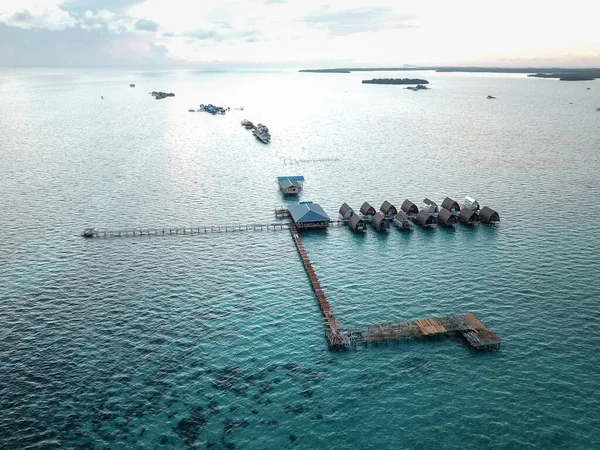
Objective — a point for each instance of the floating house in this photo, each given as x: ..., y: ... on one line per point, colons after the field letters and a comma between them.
x: 430, y: 206
x: 425, y: 219
x: 468, y: 217
x: 488, y: 215
x: 357, y: 224
x: 367, y: 210
x: 290, y: 185
x: 471, y: 203
x: 401, y: 221
x: 409, y: 208
x: 379, y: 223
x: 451, y: 205
x: 346, y: 212
x: 308, y: 216
x: 388, y: 210
x: 446, y: 218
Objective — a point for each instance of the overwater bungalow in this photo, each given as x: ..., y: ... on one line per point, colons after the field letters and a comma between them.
x: 430, y: 206
x: 367, y: 210
x: 468, y: 217
x: 308, y: 216
x: 346, y: 212
x: 451, y: 205
x: 409, y: 208
x: 379, y: 223
x: 388, y: 210
x: 446, y: 218
x: 290, y: 185
x: 471, y: 203
x: 425, y: 219
x: 357, y: 224
x: 401, y: 221
x: 488, y: 215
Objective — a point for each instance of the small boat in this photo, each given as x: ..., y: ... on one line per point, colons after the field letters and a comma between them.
x: 490, y: 97
x: 191, y: 110
x: 247, y: 124
x: 261, y: 135
x: 102, y: 97
x: 598, y: 108
x: 132, y: 85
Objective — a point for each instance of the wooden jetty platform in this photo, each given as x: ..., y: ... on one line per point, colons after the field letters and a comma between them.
x: 199, y: 229
x: 468, y: 326
x: 166, y: 231
x: 336, y: 338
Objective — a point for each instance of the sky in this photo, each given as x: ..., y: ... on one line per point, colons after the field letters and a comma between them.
x: 299, y: 33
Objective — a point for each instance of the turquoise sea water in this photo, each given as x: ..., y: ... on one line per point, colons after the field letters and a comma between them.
x: 217, y: 341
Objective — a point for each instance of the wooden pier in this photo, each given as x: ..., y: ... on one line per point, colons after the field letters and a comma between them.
x: 336, y: 338
x: 468, y: 326
x: 199, y: 229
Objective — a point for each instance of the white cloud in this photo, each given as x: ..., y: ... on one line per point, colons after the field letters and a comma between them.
x: 28, y: 14
x: 378, y: 32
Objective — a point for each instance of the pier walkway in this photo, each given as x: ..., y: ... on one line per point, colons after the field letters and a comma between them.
x: 335, y: 337
x: 468, y: 326
x: 199, y: 229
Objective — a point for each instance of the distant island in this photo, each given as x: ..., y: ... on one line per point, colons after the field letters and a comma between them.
x: 325, y: 70
x: 396, y: 81
x: 365, y: 69
x: 566, y: 76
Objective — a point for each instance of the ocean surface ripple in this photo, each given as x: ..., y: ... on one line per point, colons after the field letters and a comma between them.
x: 216, y: 341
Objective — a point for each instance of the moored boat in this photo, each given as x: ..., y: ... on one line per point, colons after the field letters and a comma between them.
x: 261, y: 135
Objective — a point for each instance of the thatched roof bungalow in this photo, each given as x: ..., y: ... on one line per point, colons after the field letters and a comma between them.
x: 409, y: 208
x: 379, y: 223
x: 446, y: 218
x: 346, y: 212
x: 451, y: 205
x: 488, y: 215
x: 357, y: 224
x: 388, y: 210
x: 430, y: 206
x: 367, y: 210
x: 468, y: 217
x: 424, y: 219
x: 401, y: 221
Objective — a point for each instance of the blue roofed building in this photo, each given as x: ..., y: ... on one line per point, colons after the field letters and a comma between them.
x: 307, y: 216
x: 290, y: 185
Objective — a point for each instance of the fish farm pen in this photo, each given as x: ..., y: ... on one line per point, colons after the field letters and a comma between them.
x: 309, y: 216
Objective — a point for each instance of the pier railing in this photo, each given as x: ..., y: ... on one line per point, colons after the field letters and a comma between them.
x: 192, y: 230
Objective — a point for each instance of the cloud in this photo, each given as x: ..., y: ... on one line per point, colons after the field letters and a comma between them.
x: 78, y: 47
x: 358, y: 20
x: 27, y: 14
x: 269, y: 31
x: 146, y: 25
x: 201, y: 34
